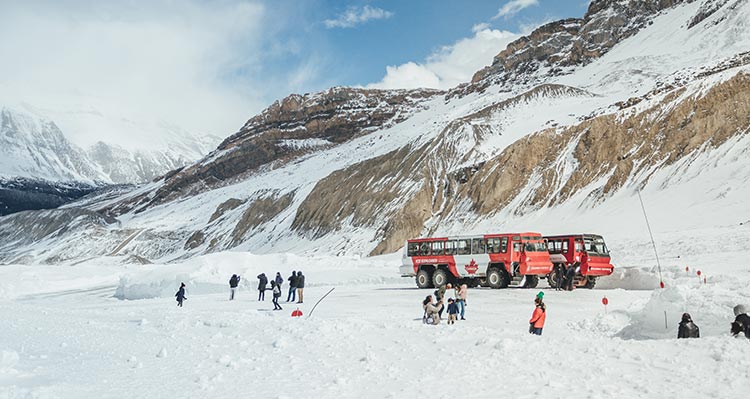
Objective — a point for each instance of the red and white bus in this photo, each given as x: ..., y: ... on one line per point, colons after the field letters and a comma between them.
x: 587, y: 251
x: 492, y: 260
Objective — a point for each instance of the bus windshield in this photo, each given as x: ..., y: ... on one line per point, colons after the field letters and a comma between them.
x: 596, y: 246
x: 534, y: 247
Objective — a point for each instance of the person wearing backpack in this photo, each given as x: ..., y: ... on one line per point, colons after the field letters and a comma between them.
x: 262, y: 281
x: 276, y: 290
x: 292, y: 287
x: 687, y: 329
x: 180, y: 295
x: 279, y: 279
x: 234, y: 281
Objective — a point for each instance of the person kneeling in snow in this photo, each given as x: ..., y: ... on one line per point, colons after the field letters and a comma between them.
x: 741, y: 323
x: 431, y: 311
x: 536, y: 324
x: 687, y: 328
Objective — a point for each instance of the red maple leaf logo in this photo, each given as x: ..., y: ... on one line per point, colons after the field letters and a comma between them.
x: 472, y: 267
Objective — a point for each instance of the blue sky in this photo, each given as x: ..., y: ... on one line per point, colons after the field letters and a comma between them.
x: 209, y: 65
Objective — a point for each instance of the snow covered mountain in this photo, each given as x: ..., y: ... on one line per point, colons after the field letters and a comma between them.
x: 33, y: 146
x: 557, y: 135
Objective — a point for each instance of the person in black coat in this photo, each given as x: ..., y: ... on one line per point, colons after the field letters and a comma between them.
x: 292, y: 287
x: 687, y: 328
x: 741, y: 322
x: 234, y: 281
x: 300, y: 286
x: 262, y: 282
x: 180, y: 294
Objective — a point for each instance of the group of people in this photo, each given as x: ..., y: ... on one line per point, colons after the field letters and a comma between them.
x: 296, y: 287
x: 456, y: 299
x: 741, y: 324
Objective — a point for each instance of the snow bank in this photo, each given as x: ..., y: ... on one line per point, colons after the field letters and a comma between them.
x: 210, y: 273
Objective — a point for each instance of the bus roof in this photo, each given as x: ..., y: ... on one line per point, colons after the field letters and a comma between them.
x: 463, y: 237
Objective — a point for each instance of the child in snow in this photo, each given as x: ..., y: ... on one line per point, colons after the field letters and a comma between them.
x: 452, y: 311
x: 276, y: 289
x: 536, y: 324
x: 741, y: 322
x: 687, y: 328
x: 180, y: 295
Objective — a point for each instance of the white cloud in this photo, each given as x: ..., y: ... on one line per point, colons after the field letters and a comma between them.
x: 451, y: 65
x: 514, y: 6
x: 354, y: 16
x: 192, y: 63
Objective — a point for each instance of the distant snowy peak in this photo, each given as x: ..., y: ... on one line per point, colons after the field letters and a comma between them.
x: 33, y: 146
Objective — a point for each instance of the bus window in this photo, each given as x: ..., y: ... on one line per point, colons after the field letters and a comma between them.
x: 565, y: 247
x: 463, y: 247
x: 493, y: 245
x: 424, y: 249
x: 437, y: 248
x: 578, y: 246
x: 504, y: 245
x: 517, y: 247
x: 450, y: 247
x: 412, y: 249
x: 478, y: 246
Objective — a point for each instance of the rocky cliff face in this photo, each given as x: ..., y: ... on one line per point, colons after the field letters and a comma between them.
x: 554, y: 48
x: 289, y: 129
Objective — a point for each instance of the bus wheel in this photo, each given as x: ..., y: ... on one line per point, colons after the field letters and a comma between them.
x: 424, y: 280
x: 531, y: 281
x: 439, y: 278
x: 590, y: 282
x: 496, y: 278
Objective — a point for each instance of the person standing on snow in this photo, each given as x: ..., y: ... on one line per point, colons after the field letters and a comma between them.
x: 279, y: 279
x: 234, y: 281
x: 439, y: 298
x: 180, y: 295
x: 570, y: 277
x: 262, y: 281
x: 741, y: 322
x: 536, y: 324
x: 687, y: 328
x: 461, y: 298
x: 276, y: 290
x: 292, y: 287
x: 431, y: 311
x: 300, y: 286
x: 452, y: 311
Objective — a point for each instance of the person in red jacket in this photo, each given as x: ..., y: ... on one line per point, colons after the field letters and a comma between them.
x: 537, y: 318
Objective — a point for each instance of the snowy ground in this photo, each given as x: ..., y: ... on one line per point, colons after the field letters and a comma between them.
x: 65, y: 335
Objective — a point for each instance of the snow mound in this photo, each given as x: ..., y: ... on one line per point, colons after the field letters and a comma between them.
x: 709, y: 305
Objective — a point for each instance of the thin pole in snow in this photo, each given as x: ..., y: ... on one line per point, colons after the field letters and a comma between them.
x: 666, y: 327
x: 316, y: 303
x: 653, y: 243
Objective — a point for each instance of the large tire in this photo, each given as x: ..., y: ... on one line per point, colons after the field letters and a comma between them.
x: 440, y: 278
x: 531, y: 281
x: 590, y: 282
x: 497, y: 278
x: 424, y: 279
x: 556, y: 276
